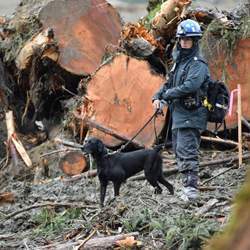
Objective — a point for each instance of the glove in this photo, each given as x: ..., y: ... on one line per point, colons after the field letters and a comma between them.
x: 158, y: 106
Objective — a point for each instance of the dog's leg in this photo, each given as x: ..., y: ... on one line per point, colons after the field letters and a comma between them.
x: 166, y: 184
x: 103, y: 192
x: 153, y: 182
x: 151, y: 176
x: 117, y: 186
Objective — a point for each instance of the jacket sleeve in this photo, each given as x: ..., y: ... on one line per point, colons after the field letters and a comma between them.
x: 159, y: 93
x: 196, y: 75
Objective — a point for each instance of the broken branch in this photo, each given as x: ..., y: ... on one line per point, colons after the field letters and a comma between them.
x: 49, y: 204
x: 223, y: 172
x: 219, y: 140
x: 172, y: 171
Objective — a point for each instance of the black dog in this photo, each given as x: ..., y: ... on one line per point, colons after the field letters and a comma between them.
x: 118, y: 167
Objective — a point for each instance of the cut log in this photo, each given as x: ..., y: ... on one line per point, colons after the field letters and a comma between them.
x: 83, y: 31
x: 108, y: 241
x: 206, y: 207
x: 120, y: 95
x: 82, y: 28
x: 73, y: 163
x: 94, y: 243
x: 234, y: 71
x: 165, y: 22
x: 219, y: 140
x: 174, y: 170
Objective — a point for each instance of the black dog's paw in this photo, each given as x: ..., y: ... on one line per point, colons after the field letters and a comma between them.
x: 158, y: 190
x: 171, y: 190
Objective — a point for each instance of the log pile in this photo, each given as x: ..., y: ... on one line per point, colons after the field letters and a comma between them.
x: 78, y: 64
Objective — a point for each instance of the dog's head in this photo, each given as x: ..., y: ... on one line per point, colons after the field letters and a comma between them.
x: 94, y: 146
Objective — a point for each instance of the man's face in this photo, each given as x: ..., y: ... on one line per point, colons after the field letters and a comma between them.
x: 186, y: 42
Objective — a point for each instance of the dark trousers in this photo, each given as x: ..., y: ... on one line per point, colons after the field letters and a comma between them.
x: 186, y: 144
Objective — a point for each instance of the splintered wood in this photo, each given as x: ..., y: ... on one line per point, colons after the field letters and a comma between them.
x: 6, y: 197
x: 164, y: 23
x: 137, y: 30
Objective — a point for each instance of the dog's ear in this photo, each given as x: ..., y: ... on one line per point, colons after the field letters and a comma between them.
x: 100, y: 147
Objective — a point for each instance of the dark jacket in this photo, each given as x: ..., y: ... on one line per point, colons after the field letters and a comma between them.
x: 189, y: 77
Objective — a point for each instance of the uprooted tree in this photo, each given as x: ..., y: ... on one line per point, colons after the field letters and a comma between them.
x: 72, y: 70
x: 67, y: 67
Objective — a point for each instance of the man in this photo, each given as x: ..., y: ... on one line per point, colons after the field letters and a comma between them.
x: 184, y: 92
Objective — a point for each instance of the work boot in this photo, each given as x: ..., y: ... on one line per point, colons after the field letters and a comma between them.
x: 189, y: 194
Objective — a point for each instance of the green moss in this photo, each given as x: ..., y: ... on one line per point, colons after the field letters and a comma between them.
x: 23, y: 31
x: 147, y: 20
x: 49, y: 222
x: 218, y: 37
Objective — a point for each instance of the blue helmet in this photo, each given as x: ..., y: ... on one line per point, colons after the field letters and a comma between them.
x: 188, y: 28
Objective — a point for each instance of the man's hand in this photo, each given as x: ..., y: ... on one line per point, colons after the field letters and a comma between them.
x: 158, y: 106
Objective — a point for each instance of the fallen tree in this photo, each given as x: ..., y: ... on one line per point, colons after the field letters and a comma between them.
x: 119, y: 98
x: 48, y: 53
x: 82, y: 34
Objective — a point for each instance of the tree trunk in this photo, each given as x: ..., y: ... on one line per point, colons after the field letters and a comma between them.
x: 235, y: 71
x: 83, y: 29
x: 73, y: 163
x: 120, y: 95
x: 165, y: 22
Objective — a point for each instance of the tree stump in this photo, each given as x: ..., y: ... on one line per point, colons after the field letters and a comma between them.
x: 73, y: 163
x: 120, y: 95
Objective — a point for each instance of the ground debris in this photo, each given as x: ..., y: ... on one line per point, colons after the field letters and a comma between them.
x: 55, y: 90
x: 159, y: 219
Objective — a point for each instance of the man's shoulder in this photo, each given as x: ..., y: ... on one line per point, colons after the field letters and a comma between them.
x: 199, y: 59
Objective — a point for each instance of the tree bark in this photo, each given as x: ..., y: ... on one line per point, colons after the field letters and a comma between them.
x: 165, y: 22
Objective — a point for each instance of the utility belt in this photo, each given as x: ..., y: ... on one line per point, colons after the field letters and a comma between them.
x: 192, y: 102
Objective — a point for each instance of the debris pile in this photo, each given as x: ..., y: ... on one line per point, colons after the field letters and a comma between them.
x: 71, y: 69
